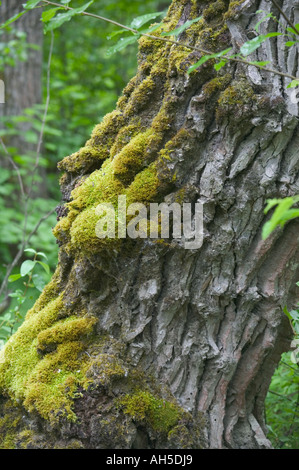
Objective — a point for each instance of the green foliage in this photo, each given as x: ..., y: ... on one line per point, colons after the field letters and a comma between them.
x: 14, y: 49
x: 251, y: 46
x: 282, y: 405
x: 282, y: 214
x: 33, y: 281
x: 136, y: 24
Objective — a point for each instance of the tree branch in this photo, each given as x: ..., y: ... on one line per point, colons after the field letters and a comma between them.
x: 177, y: 43
x: 285, y: 17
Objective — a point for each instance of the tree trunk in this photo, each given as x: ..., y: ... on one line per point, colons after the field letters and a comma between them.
x: 23, y: 81
x: 142, y: 343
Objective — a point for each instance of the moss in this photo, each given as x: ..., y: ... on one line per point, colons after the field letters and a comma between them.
x: 214, y: 10
x: 236, y: 101
x: 140, y: 96
x: 131, y: 158
x: 145, y: 186
x: 106, y: 368
x: 9, y: 425
x: 46, y: 384
x: 217, y: 84
x: 159, y: 414
x: 124, y: 137
x: 85, y: 158
x: 70, y: 329
x: 234, y: 10
x: 97, y: 148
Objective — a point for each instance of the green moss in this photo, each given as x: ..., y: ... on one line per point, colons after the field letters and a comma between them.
x: 106, y: 368
x: 46, y: 384
x: 235, y: 101
x: 124, y: 137
x: 70, y: 329
x: 159, y: 414
x: 9, y: 425
x: 234, y: 9
x: 140, y: 96
x: 97, y: 148
x: 131, y: 158
x: 145, y: 186
x: 217, y: 84
x: 214, y: 10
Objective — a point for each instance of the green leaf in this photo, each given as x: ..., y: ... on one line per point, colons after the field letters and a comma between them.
x: 11, y: 20
x: 271, y: 203
x: 30, y: 250
x: 285, y: 310
x: 48, y: 14
x: 262, y: 20
x: 250, y: 46
x: 38, y: 282
x: 40, y: 253
x: 290, y: 43
x: 220, y: 64
x: 27, y: 267
x: 292, y: 30
x: 208, y: 57
x: 141, y: 20
x: 14, y: 277
x: 45, y: 266
x: 116, y: 33
x: 30, y: 4
x: 62, y: 18
x: 121, y: 44
x: 260, y: 63
x: 182, y: 28
x: 281, y: 214
x: 293, y: 84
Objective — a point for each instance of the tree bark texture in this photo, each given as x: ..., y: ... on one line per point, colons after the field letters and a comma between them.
x: 23, y: 81
x: 139, y: 344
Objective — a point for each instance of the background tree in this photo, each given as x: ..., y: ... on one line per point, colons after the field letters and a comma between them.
x: 142, y: 344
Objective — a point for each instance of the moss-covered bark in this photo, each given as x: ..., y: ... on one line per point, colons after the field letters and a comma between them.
x: 137, y: 343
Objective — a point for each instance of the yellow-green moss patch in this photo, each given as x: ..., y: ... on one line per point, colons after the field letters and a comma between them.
x: 160, y: 414
x: 45, y: 384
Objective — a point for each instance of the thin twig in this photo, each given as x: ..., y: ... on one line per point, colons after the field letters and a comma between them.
x: 290, y: 367
x: 14, y: 166
x: 285, y: 17
x: 177, y: 43
x: 21, y: 250
x: 281, y: 396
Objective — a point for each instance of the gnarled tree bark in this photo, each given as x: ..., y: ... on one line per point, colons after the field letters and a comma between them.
x: 184, y: 342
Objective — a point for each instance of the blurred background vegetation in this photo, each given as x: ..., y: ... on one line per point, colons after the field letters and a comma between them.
x: 85, y: 83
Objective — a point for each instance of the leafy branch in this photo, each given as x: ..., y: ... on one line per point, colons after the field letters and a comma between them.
x: 53, y: 18
x: 34, y: 280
